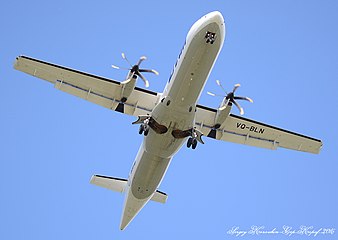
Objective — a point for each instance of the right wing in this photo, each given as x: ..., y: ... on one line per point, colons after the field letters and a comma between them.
x: 249, y: 132
x: 96, y: 89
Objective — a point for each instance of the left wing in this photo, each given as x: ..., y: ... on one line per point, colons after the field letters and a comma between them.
x: 249, y: 132
x: 102, y: 91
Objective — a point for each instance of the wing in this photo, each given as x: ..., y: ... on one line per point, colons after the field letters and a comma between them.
x: 249, y: 132
x: 96, y: 89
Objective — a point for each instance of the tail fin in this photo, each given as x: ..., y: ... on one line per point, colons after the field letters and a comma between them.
x: 120, y: 184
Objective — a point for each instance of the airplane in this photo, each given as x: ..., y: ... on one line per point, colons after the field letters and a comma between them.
x: 169, y: 119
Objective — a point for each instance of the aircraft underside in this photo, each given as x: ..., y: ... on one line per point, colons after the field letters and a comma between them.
x: 169, y: 119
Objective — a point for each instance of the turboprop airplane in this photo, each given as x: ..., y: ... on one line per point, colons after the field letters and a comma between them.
x: 168, y: 119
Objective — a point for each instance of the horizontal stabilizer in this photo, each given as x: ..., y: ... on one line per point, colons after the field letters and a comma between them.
x: 160, y: 197
x: 111, y: 183
x: 120, y: 184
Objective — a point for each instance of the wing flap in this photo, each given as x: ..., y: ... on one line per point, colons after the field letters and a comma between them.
x: 87, y: 94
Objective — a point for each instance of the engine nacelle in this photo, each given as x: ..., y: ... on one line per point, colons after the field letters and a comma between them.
x: 221, y: 115
x: 127, y: 87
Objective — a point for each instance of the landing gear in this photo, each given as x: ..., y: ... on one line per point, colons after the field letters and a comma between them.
x: 144, y: 128
x: 146, y: 131
x: 141, y: 130
x: 189, y: 142
x: 192, y: 142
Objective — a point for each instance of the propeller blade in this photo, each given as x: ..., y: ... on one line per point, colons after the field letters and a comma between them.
x: 149, y: 71
x: 117, y: 67
x: 141, y: 59
x: 244, y: 98
x: 143, y: 78
x: 230, y: 98
x: 126, y: 81
x: 125, y: 58
x: 220, y: 85
x: 236, y: 86
x: 211, y: 94
x: 241, y: 111
x: 215, y: 95
x: 135, y: 70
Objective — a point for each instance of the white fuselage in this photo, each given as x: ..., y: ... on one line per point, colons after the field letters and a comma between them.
x: 176, y: 111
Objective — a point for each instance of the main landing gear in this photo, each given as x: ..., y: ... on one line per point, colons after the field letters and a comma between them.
x: 192, y: 141
x: 193, y: 134
x: 144, y: 127
x: 148, y: 122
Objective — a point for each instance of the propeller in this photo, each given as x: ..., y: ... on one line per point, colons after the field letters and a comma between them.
x: 136, y: 70
x: 230, y: 98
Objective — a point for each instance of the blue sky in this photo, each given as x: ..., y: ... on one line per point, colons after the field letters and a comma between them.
x: 284, y: 54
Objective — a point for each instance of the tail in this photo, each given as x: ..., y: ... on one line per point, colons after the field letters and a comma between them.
x: 132, y: 205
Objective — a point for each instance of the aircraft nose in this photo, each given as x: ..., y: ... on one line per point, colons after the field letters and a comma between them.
x: 215, y: 16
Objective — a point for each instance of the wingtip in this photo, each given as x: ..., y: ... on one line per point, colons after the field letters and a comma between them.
x: 92, y: 179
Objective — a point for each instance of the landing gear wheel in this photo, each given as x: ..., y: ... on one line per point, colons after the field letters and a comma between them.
x: 140, y: 131
x: 194, y: 143
x: 146, y: 131
x: 189, y: 143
